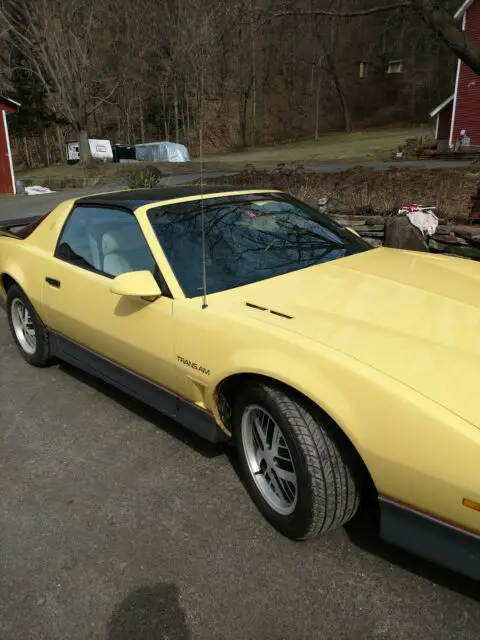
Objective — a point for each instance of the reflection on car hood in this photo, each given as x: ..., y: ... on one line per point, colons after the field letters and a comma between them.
x: 413, y: 316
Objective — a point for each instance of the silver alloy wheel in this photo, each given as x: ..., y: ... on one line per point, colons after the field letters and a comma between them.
x: 269, y: 459
x: 23, y: 326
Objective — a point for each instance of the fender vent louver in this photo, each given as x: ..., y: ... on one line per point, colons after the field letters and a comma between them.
x: 275, y: 313
x: 256, y: 306
x: 282, y: 315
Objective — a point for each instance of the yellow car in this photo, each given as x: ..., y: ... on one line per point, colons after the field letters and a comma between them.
x: 247, y: 315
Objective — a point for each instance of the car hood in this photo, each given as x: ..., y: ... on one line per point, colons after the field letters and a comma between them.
x: 413, y: 316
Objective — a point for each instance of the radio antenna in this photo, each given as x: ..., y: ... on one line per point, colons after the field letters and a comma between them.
x: 204, y: 249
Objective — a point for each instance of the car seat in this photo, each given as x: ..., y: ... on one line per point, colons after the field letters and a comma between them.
x: 125, y: 250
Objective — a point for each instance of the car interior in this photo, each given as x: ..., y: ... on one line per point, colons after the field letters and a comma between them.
x: 106, y: 247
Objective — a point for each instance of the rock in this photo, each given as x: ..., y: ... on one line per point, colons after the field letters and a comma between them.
x: 323, y: 205
x: 469, y: 232
x: 375, y: 242
x: 449, y: 239
x: 401, y: 234
x: 436, y: 246
x: 367, y: 228
x: 349, y: 222
x: 466, y: 252
x: 368, y: 232
x: 376, y: 220
x: 443, y: 230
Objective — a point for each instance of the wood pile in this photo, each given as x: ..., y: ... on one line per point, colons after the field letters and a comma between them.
x: 459, y: 240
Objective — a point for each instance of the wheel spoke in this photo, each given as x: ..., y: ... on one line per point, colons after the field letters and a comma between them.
x: 260, y: 456
x: 276, y: 440
x: 287, y: 476
x: 259, y: 432
x: 275, y: 484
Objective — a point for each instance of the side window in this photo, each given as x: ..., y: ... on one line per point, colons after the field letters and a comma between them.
x: 105, y: 240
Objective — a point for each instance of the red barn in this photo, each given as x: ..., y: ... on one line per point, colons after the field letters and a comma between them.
x: 459, y: 115
x: 7, y: 180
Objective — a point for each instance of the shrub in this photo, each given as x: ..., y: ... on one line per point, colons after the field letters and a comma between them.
x: 147, y: 178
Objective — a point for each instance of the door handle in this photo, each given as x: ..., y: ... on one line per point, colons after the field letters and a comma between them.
x: 53, y: 282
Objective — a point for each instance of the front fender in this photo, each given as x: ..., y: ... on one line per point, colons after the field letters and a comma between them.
x: 302, y: 374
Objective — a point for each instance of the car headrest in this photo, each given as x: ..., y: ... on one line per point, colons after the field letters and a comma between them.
x: 120, y: 240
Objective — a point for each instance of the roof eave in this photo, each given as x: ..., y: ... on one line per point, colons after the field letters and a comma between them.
x: 463, y: 9
x: 14, y: 103
x: 441, y: 106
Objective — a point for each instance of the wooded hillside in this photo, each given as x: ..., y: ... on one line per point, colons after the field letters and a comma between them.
x: 259, y: 70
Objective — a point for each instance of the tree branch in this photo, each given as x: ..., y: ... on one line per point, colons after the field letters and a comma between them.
x: 345, y: 14
x: 451, y: 32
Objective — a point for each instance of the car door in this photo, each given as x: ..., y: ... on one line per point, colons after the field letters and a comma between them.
x: 114, y: 335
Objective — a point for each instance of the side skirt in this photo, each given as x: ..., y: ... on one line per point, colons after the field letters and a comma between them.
x: 424, y: 536
x: 188, y: 415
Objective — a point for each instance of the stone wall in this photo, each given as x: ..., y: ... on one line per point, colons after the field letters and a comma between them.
x: 450, y: 239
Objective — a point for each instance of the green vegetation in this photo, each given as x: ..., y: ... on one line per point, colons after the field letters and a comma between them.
x: 369, y: 145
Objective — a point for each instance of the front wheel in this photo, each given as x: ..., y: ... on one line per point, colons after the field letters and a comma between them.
x: 298, y: 468
x: 27, y: 329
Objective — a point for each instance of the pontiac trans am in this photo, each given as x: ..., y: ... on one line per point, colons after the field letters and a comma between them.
x: 335, y: 368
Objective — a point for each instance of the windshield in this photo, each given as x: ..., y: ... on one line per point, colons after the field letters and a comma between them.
x: 247, y: 239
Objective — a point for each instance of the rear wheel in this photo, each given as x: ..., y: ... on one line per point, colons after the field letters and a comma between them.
x: 27, y: 329
x: 300, y: 471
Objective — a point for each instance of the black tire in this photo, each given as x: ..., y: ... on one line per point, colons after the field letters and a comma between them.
x: 41, y: 355
x: 327, y: 469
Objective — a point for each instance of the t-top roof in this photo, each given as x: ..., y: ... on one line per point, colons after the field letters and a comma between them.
x: 135, y: 198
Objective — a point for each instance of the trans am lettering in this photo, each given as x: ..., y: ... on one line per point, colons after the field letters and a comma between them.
x: 193, y: 365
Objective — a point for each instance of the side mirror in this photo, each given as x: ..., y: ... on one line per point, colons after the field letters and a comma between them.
x: 136, y: 284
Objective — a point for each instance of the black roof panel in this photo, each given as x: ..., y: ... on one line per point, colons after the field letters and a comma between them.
x: 135, y: 198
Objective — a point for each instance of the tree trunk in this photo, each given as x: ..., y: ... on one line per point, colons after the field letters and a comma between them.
x: 142, y: 124
x: 317, y: 106
x: 27, y: 154
x: 340, y: 92
x: 83, y: 146
x: 175, y: 106
x: 187, y: 104
x: 46, y: 148
x: 343, y: 101
x: 254, y: 82
x: 61, y: 144
x: 165, y: 118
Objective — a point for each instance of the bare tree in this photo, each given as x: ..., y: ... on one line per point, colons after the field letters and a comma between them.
x: 434, y: 12
x: 61, y: 43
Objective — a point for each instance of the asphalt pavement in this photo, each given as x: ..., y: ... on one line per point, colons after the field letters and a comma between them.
x: 115, y: 524
x: 19, y: 206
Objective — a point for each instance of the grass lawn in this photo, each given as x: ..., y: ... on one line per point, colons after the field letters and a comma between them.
x: 370, y: 145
